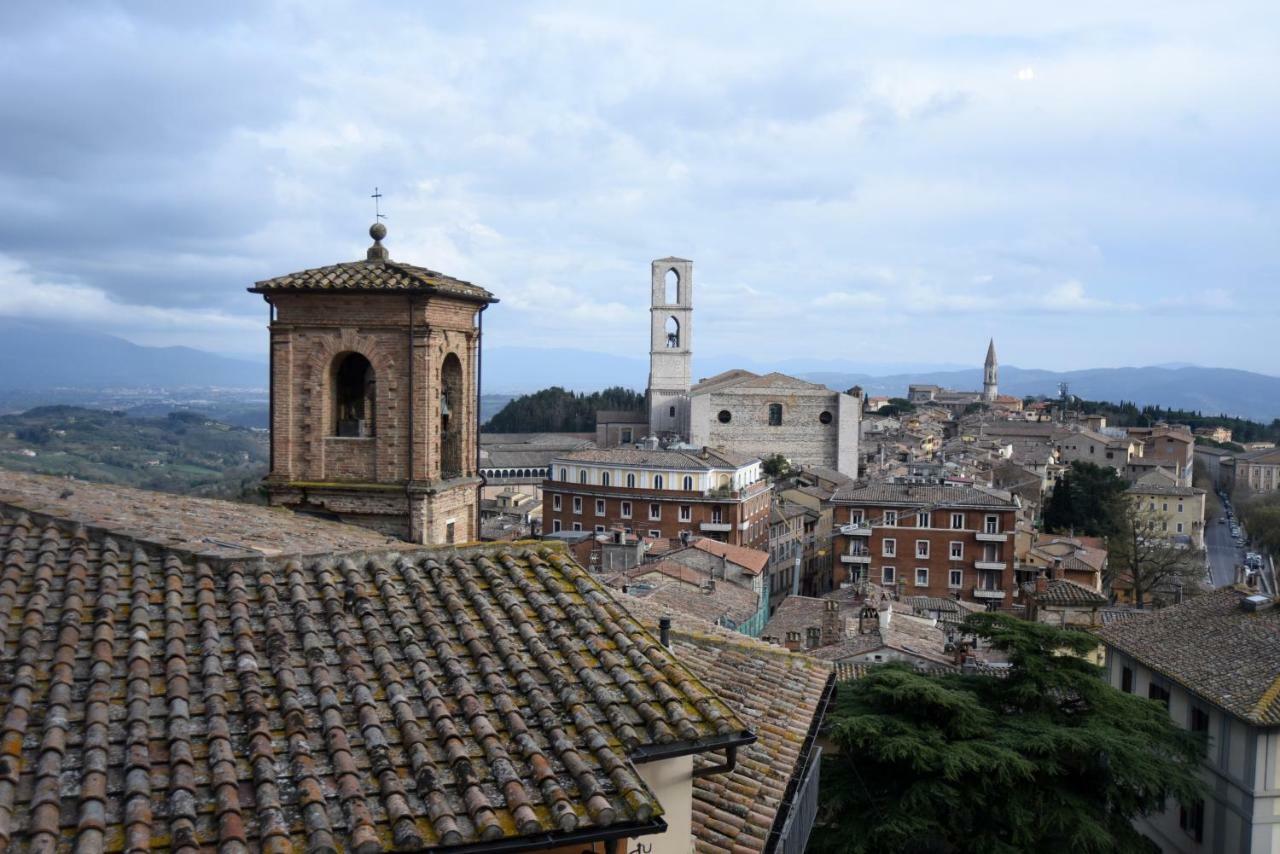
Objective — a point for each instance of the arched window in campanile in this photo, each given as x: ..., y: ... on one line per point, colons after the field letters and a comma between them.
x: 451, y: 417
x: 353, y: 396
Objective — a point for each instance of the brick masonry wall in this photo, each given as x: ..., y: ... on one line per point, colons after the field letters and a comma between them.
x: 753, y: 510
x: 308, y: 335
x: 939, y: 562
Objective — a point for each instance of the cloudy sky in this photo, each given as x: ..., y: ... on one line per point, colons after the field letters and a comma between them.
x: 1094, y: 184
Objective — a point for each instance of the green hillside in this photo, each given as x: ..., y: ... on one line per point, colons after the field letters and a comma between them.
x: 182, y: 452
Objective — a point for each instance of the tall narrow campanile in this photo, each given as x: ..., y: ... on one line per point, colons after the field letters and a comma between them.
x: 375, y: 372
x: 670, y: 347
x: 990, y: 373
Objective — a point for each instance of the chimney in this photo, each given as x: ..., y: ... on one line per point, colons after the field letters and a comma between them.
x: 1042, y: 583
x: 885, y: 616
x: 793, y: 641
x: 710, y: 586
x: 831, y: 630
x: 813, y: 637
x: 664, y: 631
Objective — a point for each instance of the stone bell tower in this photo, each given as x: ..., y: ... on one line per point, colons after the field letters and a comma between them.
x: 990, y: 373
x: 374, y: 395
x: 670, y: 347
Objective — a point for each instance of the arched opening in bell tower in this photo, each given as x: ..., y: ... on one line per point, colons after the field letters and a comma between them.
x: 353, y: 396
x: 451, y: 423
x: 672, y: 281
x: 673, y: 334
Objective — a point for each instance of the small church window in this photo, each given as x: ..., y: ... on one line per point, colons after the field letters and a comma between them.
x: 657, y: 481
x: 353, y: 396
x: 582, y: 476
x: 673, y: 334
x: 725, y: 416
x: 688, y: 483
x: 604, y: 478
x: 775, y: 415
x: 825, y: 417
x: 672, y: 283
x: 671, y: 412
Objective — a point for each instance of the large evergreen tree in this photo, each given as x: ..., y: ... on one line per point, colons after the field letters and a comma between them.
x: 555, y: 410
x: 1088, y: 499
x: 1051, y: 758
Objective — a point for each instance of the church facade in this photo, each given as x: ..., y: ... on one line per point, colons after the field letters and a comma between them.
x: 374, y: 381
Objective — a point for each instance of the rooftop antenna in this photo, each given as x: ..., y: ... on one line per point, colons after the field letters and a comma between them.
x: 377, y: 210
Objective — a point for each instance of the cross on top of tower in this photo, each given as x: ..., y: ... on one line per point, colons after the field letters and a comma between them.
x: 377, y: 209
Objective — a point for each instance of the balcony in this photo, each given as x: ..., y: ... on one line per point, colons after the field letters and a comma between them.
x: 979, y: 593
x: 858, y: 556
x: 991, y: 537
x: 856, y: 530
x: 989, y: 564
x: 715, y: 526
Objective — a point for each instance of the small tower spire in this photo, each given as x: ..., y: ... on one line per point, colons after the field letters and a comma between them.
x: 990, y: 373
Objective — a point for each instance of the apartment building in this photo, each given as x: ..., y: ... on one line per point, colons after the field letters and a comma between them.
x: 1179, y: 510
x: 934, y: 540
x: 668, y: 494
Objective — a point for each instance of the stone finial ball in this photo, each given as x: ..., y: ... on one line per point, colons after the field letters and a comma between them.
x: 377, y: 231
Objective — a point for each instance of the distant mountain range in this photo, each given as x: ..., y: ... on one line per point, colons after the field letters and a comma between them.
x: 38, y: 358
x: 37, y: 355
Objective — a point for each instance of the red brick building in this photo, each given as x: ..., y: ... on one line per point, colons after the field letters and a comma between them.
x: 374, y: 379
x: 659, y: 493
x: 943, y: 541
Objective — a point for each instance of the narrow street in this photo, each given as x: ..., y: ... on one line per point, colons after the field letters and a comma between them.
x: 1224, y: 555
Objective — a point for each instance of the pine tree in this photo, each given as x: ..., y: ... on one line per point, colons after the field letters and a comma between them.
x: 1051, y: 758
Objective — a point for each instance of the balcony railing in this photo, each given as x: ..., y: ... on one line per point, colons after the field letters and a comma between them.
x: 860, y: 556
x: 983, y: 593
x: 856, y: 529
x: 989, y: 564
x: 992, y: 536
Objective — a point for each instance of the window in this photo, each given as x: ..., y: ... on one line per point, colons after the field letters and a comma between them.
x: 717, y: 515
x: 1164, y: 507
x: 855, y: 517
x: 890, y: 548
x: 688, y: 483
x: 922, y: 548
x: 555, y: 502
x: 891, y: 517
x: 604, y: 478
x: 626, y: 436
x: 1179, y: 527
x: 824, y: 418
x: 724, y: 416
x: 671, y: 411
x: 993, y: 525
x: 555, y: 525
x: 625, y: 509
x: 577, y: 526
x: 957, y: 550
x: 924, y: 519
x: 886, y: 574
x: 577, y: 504
x: 631, y: 481
x: 686, y: 513
x: 657, y: 481
x: 922, y: 577
x: 599, y: 506
x: 599, y: 529
x: 955, y: 578
x: 655, y: 512
x: 1200, y: 723
x: 1159, y: 693
x: 353, y: 396
x: 1191, y: 819
x: 564, y: 475
x: 1126, y: 680
x: 449, y: 532
x: 582, y: 476
x: 957, y: 521
x: 1179, y: 506
x: 654, y: 533
x: 775, y: 415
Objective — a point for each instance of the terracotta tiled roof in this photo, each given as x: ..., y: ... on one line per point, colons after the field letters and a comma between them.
x: 753, y: 561
x: 692, y: 460
x: 1147, y: 488
x: 1063, y: 592
x: 781, y: 695
x: 373, y: 276
x: 1214, y: 648
x: 412, y: 699
x: 918, y: 494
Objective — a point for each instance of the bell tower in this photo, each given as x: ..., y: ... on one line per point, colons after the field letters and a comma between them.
x: 374, y: 395
x: 990, y: 373
x: 670, y: 347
